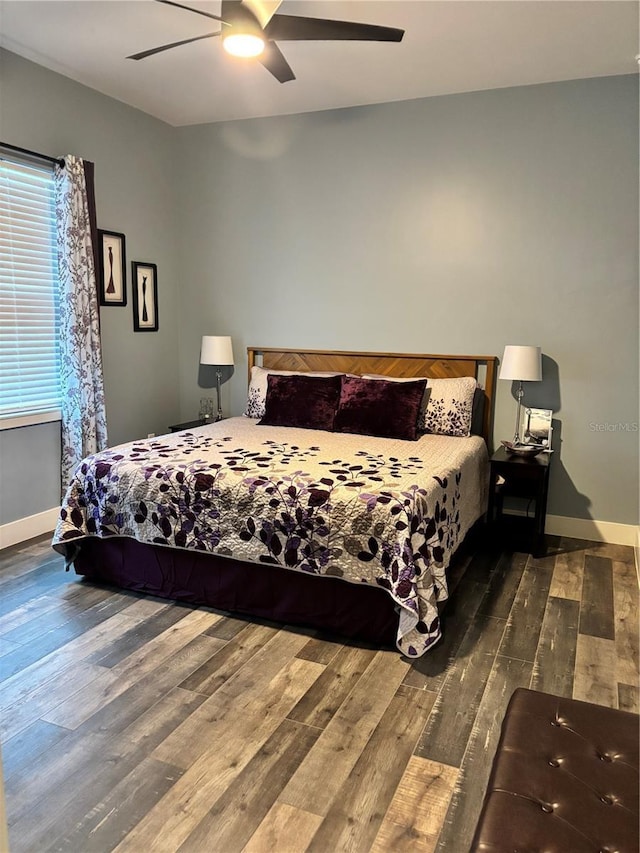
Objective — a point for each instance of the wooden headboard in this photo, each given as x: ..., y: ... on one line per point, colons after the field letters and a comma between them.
x: 482, y: 367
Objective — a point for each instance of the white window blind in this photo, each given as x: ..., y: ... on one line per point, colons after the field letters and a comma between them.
x: 29, y: 300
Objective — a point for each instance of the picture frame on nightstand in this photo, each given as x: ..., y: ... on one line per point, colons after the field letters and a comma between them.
x: 537, y: 427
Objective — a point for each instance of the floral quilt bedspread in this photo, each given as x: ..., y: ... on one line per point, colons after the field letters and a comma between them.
x: 368, y: 510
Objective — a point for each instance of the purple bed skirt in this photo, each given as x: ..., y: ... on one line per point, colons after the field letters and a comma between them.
x: 356, y: 611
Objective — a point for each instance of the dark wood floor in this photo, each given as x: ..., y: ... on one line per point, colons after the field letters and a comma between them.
x: 134, y: 724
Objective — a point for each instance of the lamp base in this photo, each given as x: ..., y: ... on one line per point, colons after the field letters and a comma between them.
x: 516, y: 435
x: 218, y: 380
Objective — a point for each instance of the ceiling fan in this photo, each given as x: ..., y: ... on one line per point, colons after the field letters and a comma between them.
x: 250, y: 28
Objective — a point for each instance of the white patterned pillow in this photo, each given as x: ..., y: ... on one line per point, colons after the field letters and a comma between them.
x: 257, y: 394
x: 450, y: 405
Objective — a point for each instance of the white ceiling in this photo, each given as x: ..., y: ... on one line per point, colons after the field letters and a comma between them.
x: 449, y: 46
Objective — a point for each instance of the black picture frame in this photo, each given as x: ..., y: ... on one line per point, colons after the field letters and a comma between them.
x: 144, y: 287
x: 112, y: 269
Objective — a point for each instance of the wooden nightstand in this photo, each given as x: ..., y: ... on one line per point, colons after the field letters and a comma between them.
x: 523, y: 477
x: 188, y: 425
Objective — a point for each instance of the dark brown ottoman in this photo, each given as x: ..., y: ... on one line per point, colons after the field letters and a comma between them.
x: 564, y: 779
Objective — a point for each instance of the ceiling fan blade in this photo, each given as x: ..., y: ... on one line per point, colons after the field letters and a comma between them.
x: 144, y: 53
x: 273, y: 60
x: 291, y: 28
x: 191, y: 9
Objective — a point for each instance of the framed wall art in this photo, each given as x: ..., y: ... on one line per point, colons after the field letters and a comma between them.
x: 144, y: 284
x: 112, y: 280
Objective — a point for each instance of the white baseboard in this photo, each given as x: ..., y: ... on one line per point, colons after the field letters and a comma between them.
x: 27, y: 528
x: 595, y: 531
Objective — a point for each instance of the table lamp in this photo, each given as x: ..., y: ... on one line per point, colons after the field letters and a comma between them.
x: 521, y: 364
x: 217, y: 350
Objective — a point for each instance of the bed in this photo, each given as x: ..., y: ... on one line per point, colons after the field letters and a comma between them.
x: 329, y: 528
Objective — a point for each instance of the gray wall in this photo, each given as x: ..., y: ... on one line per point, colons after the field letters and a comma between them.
x: 135, y: 189
x: 455, y: 224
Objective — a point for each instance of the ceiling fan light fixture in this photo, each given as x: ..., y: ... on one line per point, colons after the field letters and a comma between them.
x: 243, y: 44
x: 252, y: 28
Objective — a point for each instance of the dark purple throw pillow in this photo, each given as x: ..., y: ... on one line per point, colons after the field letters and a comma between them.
x: 376, y: 407
x: 301, y: 401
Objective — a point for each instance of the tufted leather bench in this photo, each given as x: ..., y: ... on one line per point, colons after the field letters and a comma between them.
x: 564, y: 779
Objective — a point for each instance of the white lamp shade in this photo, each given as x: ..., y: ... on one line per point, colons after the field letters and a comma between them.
x: 216, y: 349
x: 521, y: 363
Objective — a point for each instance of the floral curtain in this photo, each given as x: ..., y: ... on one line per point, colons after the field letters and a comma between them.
x: 84, y: 425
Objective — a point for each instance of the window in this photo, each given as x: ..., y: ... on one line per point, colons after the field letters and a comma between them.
x: 29, y: 300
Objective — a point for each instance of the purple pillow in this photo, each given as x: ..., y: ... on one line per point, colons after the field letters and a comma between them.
x: 309, y: 402
x: 377, y: 407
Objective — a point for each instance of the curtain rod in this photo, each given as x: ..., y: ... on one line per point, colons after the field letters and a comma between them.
x: 59, y: 161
